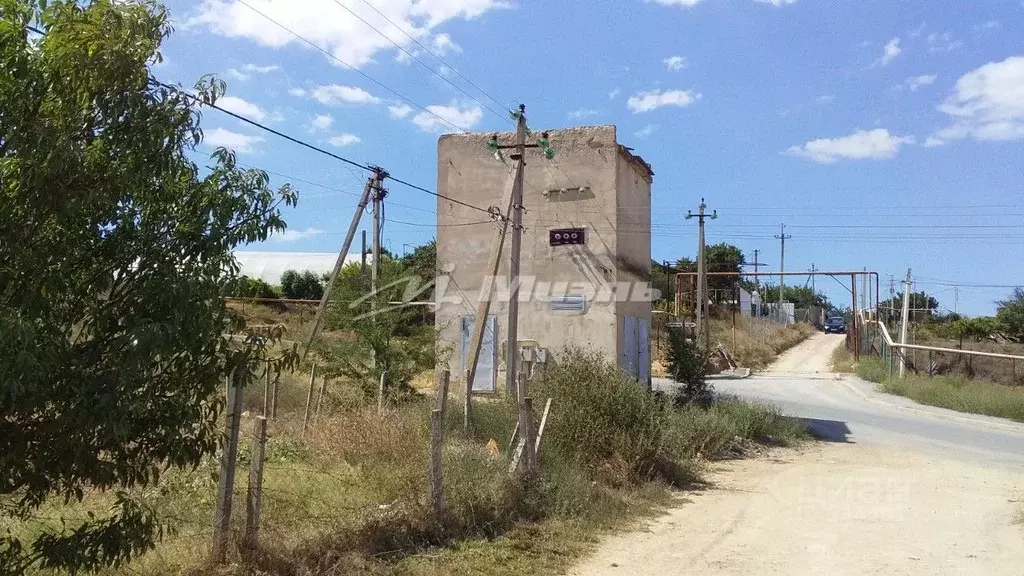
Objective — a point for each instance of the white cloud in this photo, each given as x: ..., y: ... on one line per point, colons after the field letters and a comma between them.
x: 986, y: 104
x: 581, y: 113
x: 442, y: 118
x: 400, y: 111
x: 687, y: 3
x: 675, y: 62
x: 299, y: 92
x: 293, y: 235
x: 861, y: 145
x: 322, y: 121
x: 646, y: 131
x: 240, y: 143
x: 241, y: 107
x: 250, y: 69
x: 776, y: 3
x: 892, y: 50
x: 916, y: 32
x: 915, y: 82
x: 444, y: 45
x: 647, y: 101
x: 334, y: 94
x: 327, y: 25
x: 254, y: 69
x: 612, y: 94
x: 942, y: 42
x: 342, y: 140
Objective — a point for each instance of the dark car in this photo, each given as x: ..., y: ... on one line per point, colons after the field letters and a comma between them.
x: 835, y: 325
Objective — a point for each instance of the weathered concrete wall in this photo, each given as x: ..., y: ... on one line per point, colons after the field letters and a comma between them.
x: 615, y: 197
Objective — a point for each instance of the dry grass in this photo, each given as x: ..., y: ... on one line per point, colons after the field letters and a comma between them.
x: 756, y: 343
x: 348, y: 496
x: 842, y: 361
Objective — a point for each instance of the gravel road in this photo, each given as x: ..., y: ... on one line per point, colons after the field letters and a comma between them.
x: 897, y: 488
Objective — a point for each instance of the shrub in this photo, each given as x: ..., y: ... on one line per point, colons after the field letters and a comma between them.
x: 688, y: 365
x: 301, y: 285
x: 609, y: 416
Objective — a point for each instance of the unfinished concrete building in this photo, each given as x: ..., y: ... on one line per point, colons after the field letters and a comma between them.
x: 586, y: 252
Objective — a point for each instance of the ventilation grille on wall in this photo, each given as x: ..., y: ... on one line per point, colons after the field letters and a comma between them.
x: 568, y: 303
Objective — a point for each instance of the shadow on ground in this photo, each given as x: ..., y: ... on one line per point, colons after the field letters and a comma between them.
x: 828, y: 430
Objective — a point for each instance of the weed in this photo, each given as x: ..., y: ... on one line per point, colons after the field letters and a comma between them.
x: 842, y: 360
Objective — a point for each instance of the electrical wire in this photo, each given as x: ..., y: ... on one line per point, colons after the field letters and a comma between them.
x: 431, y: 52
x: 420, y: 62
x: 352, y: 68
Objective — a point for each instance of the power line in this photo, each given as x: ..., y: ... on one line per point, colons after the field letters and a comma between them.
x: 431, y: 52
x: 420, y: 62
x: 352, y: 68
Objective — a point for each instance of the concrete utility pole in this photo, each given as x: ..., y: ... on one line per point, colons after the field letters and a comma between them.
x: 512, y: 380
x: 782, y: 268
x: 703, y: 330
x: 903, y: 325
x: 813, y: 270
x: 956, y: 299
x: 756, y: 266
x: 373, y: 183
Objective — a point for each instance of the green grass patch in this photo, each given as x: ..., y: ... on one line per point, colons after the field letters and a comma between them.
x: 948, y: 391
x: 872, y: 369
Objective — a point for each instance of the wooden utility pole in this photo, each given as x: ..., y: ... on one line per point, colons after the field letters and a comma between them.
x: 782, y: 236
x: 903, y: 323
x: 484, y: 299
x: 702, y: 316
x: 372, y: 183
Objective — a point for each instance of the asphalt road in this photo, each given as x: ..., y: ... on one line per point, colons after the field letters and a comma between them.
x: 844, y: 408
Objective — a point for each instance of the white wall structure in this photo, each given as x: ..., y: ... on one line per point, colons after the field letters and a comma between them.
x: 595, y: 293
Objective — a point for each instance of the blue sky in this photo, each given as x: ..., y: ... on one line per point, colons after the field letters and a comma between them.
x: 884, y: 134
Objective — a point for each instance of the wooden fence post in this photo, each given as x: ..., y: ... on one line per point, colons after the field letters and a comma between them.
x: 467, y: 405
x: 436, y: 481
x: 266, y: 391
x: 529, y: 456
x: 229, y: 456
x: 543, y: 423
x: 273, y: 398
x: 442, y: 391
x: 254, y: 496
x: 320, y: 395
x: 309, y: 400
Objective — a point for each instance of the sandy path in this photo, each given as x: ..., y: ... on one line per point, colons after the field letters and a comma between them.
x: 836, y: 509
x: 812, y: 356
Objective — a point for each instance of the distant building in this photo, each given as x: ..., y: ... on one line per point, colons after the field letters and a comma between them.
x: 586, y: 251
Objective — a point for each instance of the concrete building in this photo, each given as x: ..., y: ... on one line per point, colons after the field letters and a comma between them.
x: 593, y: 290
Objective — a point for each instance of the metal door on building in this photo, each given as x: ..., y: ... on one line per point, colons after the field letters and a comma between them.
x: 487, y: 365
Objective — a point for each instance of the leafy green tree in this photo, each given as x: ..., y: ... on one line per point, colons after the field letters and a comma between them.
x: 923, y: 307
x: 304, y: 285
x: 422, y: 261
x: 1010, y: 315
x: 115, y: 250
x: 378, y: 326
x: 721, y: 257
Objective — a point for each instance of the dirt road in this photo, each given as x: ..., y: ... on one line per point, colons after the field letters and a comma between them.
x: 836, y: 509
x: 812, y: 356
x: 897, y: 488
